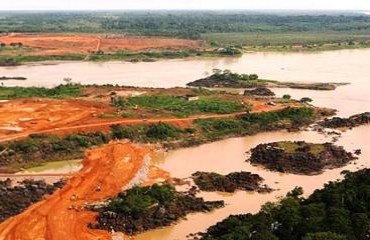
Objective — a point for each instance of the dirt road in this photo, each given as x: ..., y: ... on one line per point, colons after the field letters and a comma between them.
x: 104, y: 124
x: 96, y: 124
x: 31, y: 115
x: 61, y: 216
x: 47, y: 44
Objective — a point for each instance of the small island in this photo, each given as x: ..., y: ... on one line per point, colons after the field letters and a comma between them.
x: 227, y: 79
x: 231, y: 182
x: 300, y: 157
x: 4, y: 78
x: 141, y: 209
x: 350, y: 122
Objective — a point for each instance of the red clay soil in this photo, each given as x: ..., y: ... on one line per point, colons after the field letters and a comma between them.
x: 107, y: 171
x: 71, y: 116
x: 27, y: 116
x: 62, y: 44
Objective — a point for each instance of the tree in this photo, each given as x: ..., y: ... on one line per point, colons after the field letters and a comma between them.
x: 253, y: 77
x: 287, y: 97
x: 161, y: 131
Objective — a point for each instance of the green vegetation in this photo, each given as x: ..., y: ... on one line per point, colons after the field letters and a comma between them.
x: 135, y: 201
x: 38, y: 149
x: 256, y: 122
x: 340, y: 211
x: 309, y: 41
x: 258, y: 30
x: 291, y: 147
x: 61, y: 91
x: 228, y: 79
x: 144, y: 208
x: 226, y: 74
x: 188, y: 24
x: 154, y: 55
x: 16, y: 60
x: 179, y: 106
x: 147, y: 133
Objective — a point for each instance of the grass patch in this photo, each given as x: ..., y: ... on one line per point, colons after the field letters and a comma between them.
x: 181, y: 107
x: 260, y: 39
x: 61, y: 91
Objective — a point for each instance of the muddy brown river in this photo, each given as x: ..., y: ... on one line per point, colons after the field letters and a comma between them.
x: 229, y: 155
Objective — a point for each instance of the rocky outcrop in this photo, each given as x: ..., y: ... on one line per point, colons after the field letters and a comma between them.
x: 15, y: 199
x: 12, y: 78
x: 219, y: 82
x: 353, y: 121
x: 300, y: 157
x: 260, y: 92
x: 214, y: 83
x: 245, y: 181
x: 157, y: 215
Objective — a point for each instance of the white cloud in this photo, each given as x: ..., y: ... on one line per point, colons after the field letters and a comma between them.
x: 183, y: 4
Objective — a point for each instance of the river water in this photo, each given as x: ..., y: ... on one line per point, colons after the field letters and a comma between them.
x: 229, y: 155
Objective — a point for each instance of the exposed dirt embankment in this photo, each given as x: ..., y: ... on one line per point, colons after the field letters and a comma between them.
x: 300, y: 157
x: 26, y: 116
x: 106, y: 172
x: 49, y: 44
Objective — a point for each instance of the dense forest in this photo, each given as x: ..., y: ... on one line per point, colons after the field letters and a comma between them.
x: 186, y: 24
x: 339, y: 211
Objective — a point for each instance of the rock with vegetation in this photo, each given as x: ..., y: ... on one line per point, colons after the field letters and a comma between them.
x: 260, y: 92
x: 15, y: 199
x: 353, y: 121
x: 244, y: 181
x: 339, y: 211
x: 300, y: 157
x: 228, y: 79
x: 144, y: 208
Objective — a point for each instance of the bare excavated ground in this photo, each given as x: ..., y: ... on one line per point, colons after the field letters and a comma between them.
x: 22, y: 117
x: 107, y: 171
x: 27, y: 116
x: 63, y: 44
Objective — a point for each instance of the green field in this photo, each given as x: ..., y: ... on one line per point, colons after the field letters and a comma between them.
x: 288, y: 39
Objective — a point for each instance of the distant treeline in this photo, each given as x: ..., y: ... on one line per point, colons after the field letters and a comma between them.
x: 186, y: 24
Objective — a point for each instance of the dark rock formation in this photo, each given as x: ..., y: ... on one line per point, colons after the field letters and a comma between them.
x: 260, y: 91
x: 13, y: 78
x: 300, y: 157
x: 13, y: 200
x: 214, y: 83
x: 155, y: 216
x: 245, y: 181
x: 353, y: 121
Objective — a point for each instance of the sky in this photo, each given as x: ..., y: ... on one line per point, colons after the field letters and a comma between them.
x: 182, y: 4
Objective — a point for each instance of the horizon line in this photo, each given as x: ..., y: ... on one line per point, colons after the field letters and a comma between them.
x: 189, y: 9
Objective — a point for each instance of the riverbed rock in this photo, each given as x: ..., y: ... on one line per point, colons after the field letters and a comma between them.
x: 245, y: 181
x: 157, y: 215
x: 15, y: 199
x: 260, y: 92
x: 353, y: 121
x: 300, y: 157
